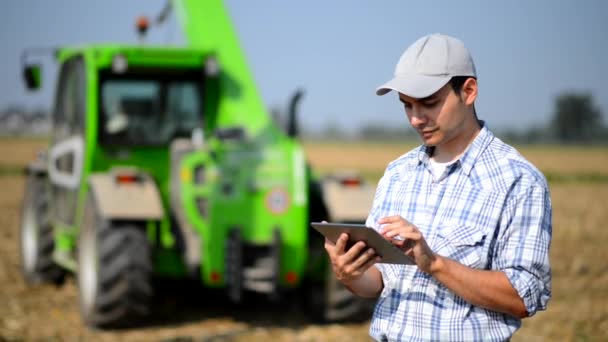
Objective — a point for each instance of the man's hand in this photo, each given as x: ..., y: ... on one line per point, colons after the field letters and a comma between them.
x: 349, y: 265
x: 412, y: 243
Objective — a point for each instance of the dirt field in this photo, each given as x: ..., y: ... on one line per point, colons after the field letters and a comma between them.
x: 372, y: 158
x: 577, y: 312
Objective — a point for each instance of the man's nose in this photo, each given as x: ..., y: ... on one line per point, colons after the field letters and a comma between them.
x: 417, y: 117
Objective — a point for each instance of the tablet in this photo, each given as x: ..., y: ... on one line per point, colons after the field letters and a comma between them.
x: 388, y: 253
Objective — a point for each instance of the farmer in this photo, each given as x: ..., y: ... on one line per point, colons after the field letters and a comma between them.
x: 472, y: 213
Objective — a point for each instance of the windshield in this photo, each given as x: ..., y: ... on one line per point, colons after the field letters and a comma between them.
x: 148, y: 111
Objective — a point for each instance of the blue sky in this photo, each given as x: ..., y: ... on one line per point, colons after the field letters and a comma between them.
x: 526, y: 52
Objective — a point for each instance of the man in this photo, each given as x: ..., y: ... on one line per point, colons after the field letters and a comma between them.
x: 473, y: 214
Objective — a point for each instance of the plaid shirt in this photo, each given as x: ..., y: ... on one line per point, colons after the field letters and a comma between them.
x: 489, y: 210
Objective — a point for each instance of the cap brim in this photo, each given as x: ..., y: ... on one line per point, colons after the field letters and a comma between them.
x: 416, y: 86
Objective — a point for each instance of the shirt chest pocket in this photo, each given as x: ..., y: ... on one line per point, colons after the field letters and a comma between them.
x: 461, y: 243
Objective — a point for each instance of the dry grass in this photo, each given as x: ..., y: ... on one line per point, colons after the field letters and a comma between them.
x: 568, y: 159
x: 17, y: 152
x: 357, y: 156
x: 579, y: 257
x: 372, y: 158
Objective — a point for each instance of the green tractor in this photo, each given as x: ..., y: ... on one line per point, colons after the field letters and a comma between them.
x: 163, y: 163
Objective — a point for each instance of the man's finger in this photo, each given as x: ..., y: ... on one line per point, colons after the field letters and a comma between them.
x: 369, y: 264
x: 341, y: 243
x: 329, y: 245
x: 355, y: 250
x: 330, y: 248
x: 406, y: 236
x: 390, y: 219
x: 396, y: 229
x: 364, y: 257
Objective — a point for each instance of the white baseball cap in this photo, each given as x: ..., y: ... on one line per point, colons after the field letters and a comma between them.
x: 429, y: 64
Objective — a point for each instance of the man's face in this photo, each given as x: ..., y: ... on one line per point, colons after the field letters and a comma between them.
x: 439, y: 118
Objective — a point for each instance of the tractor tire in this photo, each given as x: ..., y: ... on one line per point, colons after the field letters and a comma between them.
x: 114, y: 271
x: 331, y: 301
x: 37, y: 241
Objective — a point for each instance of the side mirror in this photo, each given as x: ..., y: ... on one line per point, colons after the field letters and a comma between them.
x: 32, y: 75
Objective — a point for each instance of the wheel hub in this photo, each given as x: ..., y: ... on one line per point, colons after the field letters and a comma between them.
x: 29, y: 240
x: 87, y: 269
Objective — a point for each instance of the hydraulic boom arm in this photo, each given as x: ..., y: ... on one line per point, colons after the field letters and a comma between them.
x: 207, y: 26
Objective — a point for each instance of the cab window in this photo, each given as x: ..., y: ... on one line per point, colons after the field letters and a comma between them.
x: 149, y: 111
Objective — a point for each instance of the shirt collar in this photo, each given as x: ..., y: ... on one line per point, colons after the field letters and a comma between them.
x: 479, y: 144
x: 470, y: 155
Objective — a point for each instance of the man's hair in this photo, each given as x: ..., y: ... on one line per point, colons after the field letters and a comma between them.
x: 457, y: 82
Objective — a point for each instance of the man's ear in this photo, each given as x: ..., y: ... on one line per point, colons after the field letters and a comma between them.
x: 468, y: 93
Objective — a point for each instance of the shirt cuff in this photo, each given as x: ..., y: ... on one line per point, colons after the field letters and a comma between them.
x: 527, y: 287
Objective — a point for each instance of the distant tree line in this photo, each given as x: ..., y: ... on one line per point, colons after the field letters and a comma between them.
x: 576, y: 119
x: 16, y: 120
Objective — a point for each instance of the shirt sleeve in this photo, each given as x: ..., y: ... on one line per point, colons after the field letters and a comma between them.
x: 522, y: 249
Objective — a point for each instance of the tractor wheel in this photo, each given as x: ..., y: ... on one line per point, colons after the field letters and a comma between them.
x: 37, y: 241
x: 331, y: 301
x: 114, y: 271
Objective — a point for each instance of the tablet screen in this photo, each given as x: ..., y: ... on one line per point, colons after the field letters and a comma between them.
x: 357, y: 232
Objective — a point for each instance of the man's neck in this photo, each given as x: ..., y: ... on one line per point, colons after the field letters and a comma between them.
x: 453, y: 149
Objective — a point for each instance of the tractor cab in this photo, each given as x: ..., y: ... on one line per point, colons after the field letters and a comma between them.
x: 134, y: 96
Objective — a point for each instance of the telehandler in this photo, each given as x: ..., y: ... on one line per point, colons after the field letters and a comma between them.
x: 163, y: 162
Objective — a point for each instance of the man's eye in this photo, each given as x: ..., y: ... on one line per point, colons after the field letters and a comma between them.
x: 407, y: 105
x: 430, y: 103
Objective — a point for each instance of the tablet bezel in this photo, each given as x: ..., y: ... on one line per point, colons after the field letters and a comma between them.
x: 388, y: 253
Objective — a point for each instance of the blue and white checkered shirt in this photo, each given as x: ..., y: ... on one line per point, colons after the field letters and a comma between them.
x: 489, y: 210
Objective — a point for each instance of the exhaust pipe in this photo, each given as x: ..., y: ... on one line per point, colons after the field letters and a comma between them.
x: 292, y: 123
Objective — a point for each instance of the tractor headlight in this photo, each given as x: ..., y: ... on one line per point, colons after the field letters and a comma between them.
x: 119, y: 64
x: 212, y: 67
